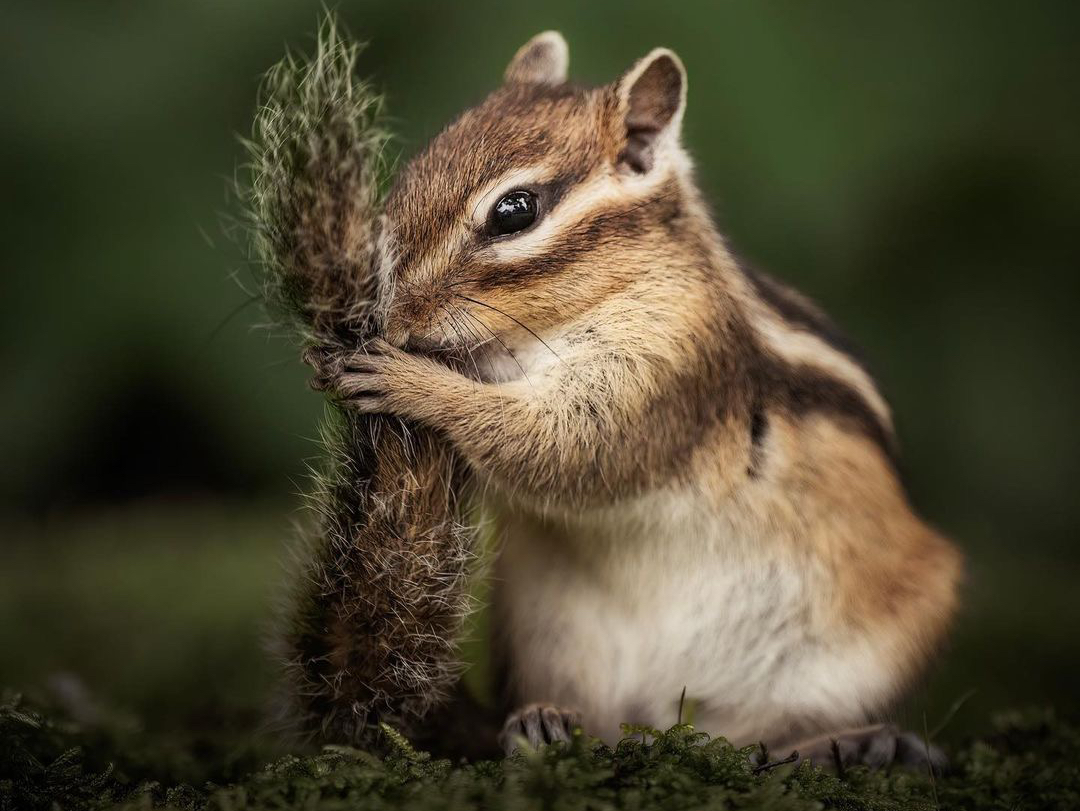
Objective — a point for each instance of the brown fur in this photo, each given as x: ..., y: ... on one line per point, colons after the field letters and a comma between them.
x: 653, y: 370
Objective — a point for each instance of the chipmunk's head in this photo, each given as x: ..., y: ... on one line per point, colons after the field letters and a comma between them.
x: 536, y: 204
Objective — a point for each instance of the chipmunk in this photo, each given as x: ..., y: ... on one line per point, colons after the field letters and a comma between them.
x: 692, y: 475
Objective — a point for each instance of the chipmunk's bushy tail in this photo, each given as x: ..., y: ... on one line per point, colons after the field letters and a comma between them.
x: 380, y: 591
x: 372, y: 630
x: 313, y: 203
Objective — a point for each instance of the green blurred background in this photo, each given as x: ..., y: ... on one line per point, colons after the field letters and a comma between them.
x: 915, y: 167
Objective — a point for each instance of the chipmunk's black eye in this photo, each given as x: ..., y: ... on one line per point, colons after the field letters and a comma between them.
x: 514, y: 212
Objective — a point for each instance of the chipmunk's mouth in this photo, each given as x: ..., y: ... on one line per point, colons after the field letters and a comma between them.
x: 487, y: 361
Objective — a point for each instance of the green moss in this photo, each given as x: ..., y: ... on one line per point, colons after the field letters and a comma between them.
x: 1029, y: 760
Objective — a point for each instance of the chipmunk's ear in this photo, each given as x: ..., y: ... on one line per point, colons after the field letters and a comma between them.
x: 652, y: 97
x: 542, y: 60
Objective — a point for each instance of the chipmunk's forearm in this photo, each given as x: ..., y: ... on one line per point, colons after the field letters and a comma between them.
x: 543, y: 443
x: 566, y: 438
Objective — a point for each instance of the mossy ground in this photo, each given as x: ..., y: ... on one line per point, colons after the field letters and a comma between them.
x: 49, y: 762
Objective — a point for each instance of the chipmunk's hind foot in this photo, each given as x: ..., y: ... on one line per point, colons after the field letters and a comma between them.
x: 537, y: 725
x: 878, y: 746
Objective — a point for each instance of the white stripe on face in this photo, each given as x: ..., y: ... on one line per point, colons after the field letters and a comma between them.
x: 385, y: 267
x: 477, y: 209
x: 598, y: 191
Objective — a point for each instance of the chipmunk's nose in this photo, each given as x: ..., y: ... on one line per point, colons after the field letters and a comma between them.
x: 410, y: 341
x: 396, y: 334
x: 422, y: 343
x: 409, y: 329
x: 409, y: 320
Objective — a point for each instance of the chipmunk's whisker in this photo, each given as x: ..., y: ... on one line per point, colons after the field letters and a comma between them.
x: 516, y: 321
x: 507, y: 349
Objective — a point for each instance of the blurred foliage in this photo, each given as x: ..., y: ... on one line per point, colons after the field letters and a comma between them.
x: 912, y: 166
x: 1029, y: 761
x: 162, y: 607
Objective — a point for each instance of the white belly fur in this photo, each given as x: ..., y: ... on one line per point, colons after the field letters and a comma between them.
x: 614, y: 611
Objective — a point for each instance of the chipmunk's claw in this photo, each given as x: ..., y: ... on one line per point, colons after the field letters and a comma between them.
x: 348, y: 373
x: 326, y: 363
x: 878, y: 746
x: 536, y: 725
x: 314, y: 356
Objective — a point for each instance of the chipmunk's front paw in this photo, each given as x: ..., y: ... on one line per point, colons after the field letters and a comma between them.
x: 378, y: 378
x: 536, y: 725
